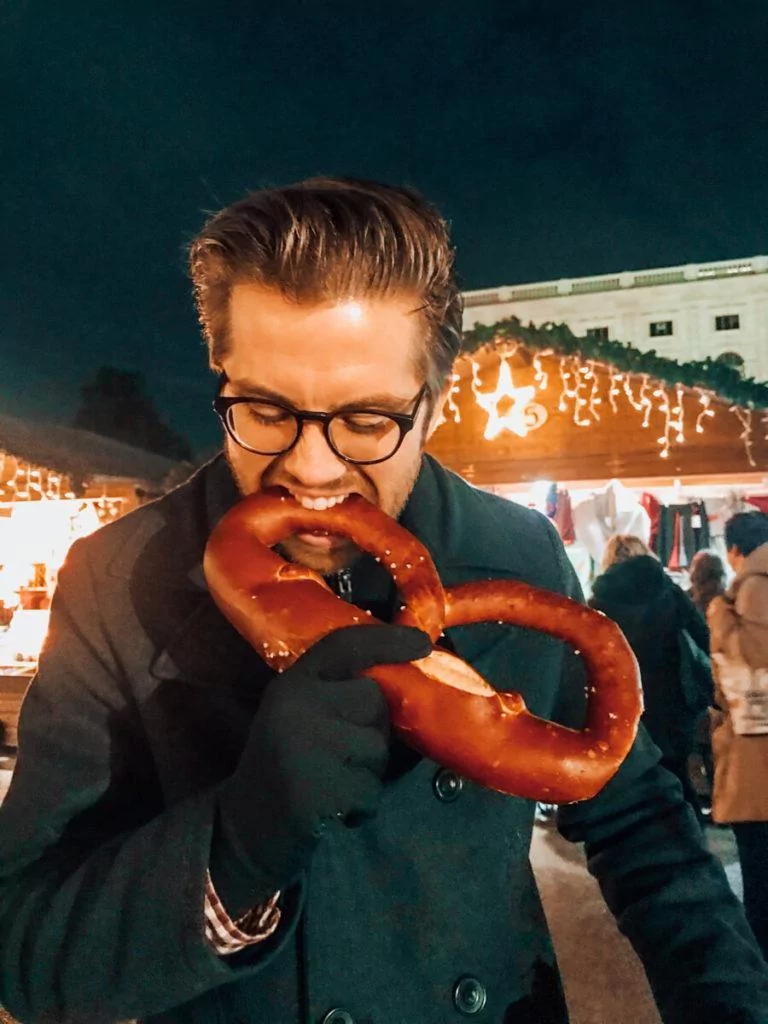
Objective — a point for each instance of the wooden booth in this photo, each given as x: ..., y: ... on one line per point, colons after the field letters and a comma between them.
x: 56, y: 484
x: 516, y: 416
x: 537, y: 416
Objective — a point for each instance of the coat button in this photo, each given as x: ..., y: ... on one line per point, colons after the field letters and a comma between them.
x: 469, y: 996
x: 338, y: 1016
x: 447, y: 785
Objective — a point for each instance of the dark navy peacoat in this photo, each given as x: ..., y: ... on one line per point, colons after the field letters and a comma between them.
x: 427, y: 914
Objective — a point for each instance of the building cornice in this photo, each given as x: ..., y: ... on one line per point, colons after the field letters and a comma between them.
x: 690, y: 273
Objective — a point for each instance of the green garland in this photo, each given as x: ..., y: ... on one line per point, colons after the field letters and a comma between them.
x: 710, y: 374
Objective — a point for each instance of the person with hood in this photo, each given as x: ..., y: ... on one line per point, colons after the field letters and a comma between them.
x: 738, y: 621
x: 671, y: 643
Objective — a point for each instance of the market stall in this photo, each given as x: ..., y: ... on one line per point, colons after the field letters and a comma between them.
x: 605, y: 439
x: 57, y: 484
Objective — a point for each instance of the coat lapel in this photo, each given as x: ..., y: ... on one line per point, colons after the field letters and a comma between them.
x: 443, y: 512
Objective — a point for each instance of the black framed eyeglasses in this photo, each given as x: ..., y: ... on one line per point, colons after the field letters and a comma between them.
x: 361, y: 436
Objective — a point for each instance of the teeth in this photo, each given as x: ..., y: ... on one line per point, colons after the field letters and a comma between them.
x: 320, y: 504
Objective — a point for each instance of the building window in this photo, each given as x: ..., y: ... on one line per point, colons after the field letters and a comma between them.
x: 598, y: 333
x: 729, y: 322
x: 661, y: 328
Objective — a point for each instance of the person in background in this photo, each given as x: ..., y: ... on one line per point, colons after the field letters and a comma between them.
x: 190, y: 837
x: 707, y: 577
x: 667, y: 634
x: 738, y: 622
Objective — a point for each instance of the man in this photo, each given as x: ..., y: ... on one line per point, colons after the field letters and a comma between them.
x: 188, y: 838
x: 738, y: 623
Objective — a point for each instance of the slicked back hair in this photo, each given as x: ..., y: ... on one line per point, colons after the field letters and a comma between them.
x: 328, y: 239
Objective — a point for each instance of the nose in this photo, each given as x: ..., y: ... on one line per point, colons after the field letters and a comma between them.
x: 312, y: 461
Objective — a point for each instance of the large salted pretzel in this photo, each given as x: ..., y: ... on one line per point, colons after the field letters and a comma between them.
x: 439, y: 704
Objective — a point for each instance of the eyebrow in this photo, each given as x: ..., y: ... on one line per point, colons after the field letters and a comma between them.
x: 381, y: 401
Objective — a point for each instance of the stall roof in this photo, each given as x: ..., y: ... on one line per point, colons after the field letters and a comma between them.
x: 565, y: 418
x: 80, y: 453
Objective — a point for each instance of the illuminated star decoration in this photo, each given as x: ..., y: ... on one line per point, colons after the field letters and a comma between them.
x: 505, y: 405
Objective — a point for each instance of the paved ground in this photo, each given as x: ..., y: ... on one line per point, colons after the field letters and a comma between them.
x: 603, y: 979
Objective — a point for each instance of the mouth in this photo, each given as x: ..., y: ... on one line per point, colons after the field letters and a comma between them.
x: 319, y: 539
x: 321, y: 503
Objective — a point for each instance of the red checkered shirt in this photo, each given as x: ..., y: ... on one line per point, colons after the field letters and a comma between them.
x: 229, y: 936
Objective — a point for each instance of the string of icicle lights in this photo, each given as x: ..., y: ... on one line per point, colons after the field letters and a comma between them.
x: 585, y: 390
x: 35, y: 483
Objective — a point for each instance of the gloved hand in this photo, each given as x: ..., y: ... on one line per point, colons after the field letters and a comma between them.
x: 317, y: 750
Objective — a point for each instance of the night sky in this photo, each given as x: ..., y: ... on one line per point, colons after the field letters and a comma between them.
x: 560, y: 139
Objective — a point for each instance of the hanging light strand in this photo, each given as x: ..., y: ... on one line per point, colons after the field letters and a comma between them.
x: 678, y: 413
x: 540, y: 375
x: 594, y: 395
x: 706, y: 413
x: 613, y: 390
x: 450, y: 405
x: 664, y: 409
x: 582, y: 402
x: 744, y: 417
x: 567, y: 391
x: 645, y: 401
x: 638, y: 406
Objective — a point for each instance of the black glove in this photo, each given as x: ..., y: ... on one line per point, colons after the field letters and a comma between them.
x: 317, y: 750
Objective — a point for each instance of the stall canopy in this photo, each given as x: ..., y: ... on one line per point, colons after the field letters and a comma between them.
x: 58, y: 484
x: 533, y: 403
x: 79, y: 454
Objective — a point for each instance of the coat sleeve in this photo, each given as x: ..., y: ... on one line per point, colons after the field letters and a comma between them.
x: 101, y: 893
x: 669, y: 895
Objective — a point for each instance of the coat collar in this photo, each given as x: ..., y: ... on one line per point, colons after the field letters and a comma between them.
x: 163, y: 542
x: 755, y: 564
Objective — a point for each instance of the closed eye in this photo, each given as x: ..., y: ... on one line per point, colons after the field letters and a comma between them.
x: 266, y: 413
x: 368, y: 423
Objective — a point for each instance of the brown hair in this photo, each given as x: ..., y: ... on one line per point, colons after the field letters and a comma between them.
x: 622, y: 546
x: 331, y: 238
x: 707, y: 576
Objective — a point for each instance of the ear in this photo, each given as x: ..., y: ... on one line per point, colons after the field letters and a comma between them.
x: 437, y: 416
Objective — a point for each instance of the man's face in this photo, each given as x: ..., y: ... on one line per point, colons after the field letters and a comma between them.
x: 320, y: 358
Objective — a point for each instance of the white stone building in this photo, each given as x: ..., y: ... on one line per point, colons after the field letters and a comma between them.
x: 686, y: 312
